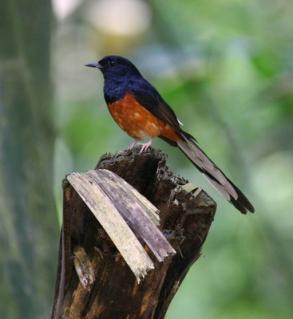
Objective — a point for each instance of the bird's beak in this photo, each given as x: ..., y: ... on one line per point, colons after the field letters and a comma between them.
x: 94, y: 65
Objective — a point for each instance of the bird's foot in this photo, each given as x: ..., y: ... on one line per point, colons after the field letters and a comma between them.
x: 145, y: 146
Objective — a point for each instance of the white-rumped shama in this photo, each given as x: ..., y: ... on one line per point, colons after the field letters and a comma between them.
x: 141, y: 112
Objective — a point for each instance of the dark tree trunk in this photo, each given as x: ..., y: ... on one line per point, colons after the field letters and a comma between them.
x: 186, y: 214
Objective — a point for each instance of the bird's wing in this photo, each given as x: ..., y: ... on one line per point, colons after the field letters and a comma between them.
x: 150, y: 99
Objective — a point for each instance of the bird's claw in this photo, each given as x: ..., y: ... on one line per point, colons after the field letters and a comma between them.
x: 145, y: 146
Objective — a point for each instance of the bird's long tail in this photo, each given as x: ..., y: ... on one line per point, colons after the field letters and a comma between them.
x: 222, y: 183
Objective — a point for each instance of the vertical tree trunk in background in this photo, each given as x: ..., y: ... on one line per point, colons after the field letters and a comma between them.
x: 28, y: 220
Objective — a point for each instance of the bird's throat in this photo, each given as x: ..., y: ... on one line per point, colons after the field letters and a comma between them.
x: 114, y: 90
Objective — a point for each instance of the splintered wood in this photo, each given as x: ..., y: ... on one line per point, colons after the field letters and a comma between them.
x: 115, y: 219
x: 109, y: 198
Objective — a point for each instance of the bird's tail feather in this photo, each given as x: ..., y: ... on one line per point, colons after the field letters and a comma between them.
x: 218, y: 179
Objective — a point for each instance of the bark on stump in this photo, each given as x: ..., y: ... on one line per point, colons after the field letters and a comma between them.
x: 93, y: 280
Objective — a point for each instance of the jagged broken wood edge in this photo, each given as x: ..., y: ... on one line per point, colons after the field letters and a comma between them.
x: 122, y: 211
x: 182, y: 207
x: 140, y: 214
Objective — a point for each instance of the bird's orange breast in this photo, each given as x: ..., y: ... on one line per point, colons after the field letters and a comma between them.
x: 137, y: 121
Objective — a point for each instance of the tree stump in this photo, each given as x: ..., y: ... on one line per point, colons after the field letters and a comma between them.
x: 93, y: 280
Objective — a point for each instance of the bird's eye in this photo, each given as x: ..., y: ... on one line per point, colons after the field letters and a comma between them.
x: 111, y: 62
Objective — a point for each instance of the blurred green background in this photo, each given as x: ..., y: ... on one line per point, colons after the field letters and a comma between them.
x: 226, y: 68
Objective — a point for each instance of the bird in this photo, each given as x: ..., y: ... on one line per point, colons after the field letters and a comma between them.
x: 140, y: 110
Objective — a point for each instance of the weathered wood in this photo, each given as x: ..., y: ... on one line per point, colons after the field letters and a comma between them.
x: 112, y: 223
x: 93, y: 280
x: 138, y: 212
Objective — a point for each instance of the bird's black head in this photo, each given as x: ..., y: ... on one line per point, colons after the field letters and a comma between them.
x: 114, y: 66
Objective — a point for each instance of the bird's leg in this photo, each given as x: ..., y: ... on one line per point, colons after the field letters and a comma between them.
x: 145, y: 146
